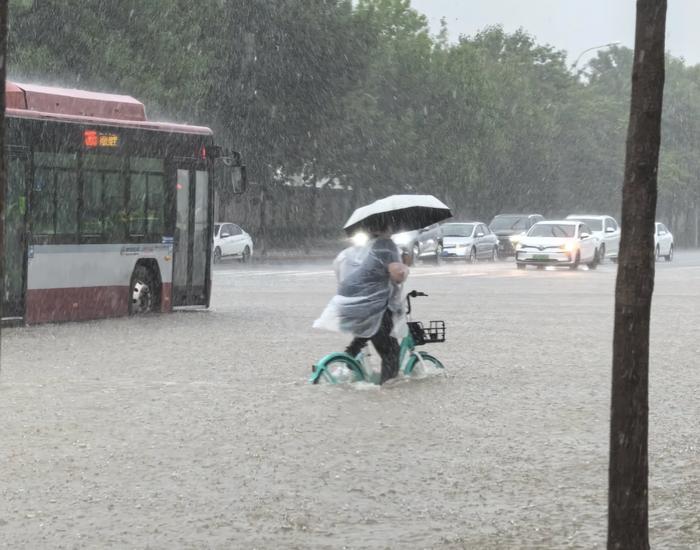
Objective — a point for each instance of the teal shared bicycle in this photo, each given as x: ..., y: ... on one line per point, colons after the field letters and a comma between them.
x: 342, y: 368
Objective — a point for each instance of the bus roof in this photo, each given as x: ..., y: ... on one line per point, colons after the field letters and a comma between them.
x: 81, y: 106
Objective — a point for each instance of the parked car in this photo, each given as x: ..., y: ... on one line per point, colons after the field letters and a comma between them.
x: 468, y: 241
x: 566, y: 242
x: 230, y: 241
x: 423, y: 244
x: 663, y: 242
x: 605, y: 230
x: 510, y: 229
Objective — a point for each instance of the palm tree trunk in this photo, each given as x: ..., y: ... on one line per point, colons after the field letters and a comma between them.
x: 628, y: 517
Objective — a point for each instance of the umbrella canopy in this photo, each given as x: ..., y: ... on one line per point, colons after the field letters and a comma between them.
x: 400, y: 212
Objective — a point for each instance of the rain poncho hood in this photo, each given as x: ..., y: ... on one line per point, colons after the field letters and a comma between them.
x: 365, y: 290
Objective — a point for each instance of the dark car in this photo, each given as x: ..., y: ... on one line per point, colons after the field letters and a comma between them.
x: 510, y: 229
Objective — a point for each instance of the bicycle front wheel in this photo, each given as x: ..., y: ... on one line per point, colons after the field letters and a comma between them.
x: 337, y: 368
x: 422, y: 364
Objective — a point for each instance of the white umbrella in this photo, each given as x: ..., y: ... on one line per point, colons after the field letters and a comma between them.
x: 401, y: 212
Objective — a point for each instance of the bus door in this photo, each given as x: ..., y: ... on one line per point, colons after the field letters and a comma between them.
x: 15, y: 236
x: 191, y: 269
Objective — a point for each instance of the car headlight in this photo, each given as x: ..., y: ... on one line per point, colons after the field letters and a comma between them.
x: 515, y: 239
x: 569, y: 247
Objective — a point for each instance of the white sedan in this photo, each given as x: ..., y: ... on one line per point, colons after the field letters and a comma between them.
x: 606, y: 231
x: 232, y: 242
x: 663, y: 242
x: 566, y: 242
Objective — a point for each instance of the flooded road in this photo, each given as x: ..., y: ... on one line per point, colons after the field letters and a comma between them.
x: 198, y: 429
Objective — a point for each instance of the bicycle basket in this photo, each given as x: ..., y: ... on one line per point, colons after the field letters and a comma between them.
x: 417, y: 332
x: 435, y: 332
x: 421, y: 335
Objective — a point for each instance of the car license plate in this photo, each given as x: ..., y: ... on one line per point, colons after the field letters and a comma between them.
x: 541, y: 257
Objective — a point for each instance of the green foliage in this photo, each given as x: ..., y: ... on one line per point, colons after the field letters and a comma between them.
x: 362, y: 93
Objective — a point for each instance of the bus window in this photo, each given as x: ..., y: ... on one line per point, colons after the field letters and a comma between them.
x: 43, y: 207
x: 147, y: 197
x: 54, y: 211
x: 91, y: 225
x: 156, y: 204
x: 137, y: 204
x: 113, y: 223
x: 103, y: 198
x: 66, y: 204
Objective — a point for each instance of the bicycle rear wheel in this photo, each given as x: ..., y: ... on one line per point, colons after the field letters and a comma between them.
x: 423, y: 366
x: 337, y: 368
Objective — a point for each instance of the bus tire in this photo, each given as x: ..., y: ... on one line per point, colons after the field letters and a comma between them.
x: 143, y: 291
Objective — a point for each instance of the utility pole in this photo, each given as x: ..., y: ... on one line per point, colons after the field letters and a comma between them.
x: 628, y: 495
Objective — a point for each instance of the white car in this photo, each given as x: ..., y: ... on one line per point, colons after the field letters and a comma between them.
x: 560, y: 242
x: 605, y: 230
x: 663, y: 242
x: 232, y: 242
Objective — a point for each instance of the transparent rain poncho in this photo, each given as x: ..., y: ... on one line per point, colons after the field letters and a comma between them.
x: 365, y: 291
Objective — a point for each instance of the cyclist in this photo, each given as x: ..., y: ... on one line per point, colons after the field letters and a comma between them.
x: 368, y: 300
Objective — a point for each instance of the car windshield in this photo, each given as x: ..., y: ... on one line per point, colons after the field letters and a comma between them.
x: 558, y: 230
x: 500, y: 223
x: 593, y: 223
x: 457, y: 230
x: 216, y: 228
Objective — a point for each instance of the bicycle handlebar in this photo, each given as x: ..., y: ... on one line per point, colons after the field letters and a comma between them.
x: 412, y: 294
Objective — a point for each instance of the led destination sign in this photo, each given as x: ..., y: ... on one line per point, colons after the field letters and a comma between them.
x: 94, y: 139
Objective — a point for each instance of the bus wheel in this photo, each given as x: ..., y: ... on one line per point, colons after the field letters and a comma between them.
x: 142, y: 293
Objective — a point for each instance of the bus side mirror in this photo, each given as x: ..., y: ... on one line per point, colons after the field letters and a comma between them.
x: 237, y: 180
x: 231, y: 175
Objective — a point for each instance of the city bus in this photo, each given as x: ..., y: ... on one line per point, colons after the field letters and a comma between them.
x: 106, y: 212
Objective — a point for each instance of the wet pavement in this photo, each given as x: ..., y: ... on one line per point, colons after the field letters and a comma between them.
x: 198, y: 429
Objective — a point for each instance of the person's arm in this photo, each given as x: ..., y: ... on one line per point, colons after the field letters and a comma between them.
x: 398, y: 272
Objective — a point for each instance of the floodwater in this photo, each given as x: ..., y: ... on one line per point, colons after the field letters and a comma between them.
x: 198, y: 429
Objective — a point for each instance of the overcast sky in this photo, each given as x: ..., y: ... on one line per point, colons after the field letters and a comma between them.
x: 571, y: 25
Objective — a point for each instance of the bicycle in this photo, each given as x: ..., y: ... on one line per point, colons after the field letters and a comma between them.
x: 341, y: 368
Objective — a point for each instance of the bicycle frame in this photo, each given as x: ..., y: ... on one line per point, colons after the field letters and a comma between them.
x: 407, y: 350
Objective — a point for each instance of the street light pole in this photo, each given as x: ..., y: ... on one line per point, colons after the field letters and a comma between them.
x: 608, y: 45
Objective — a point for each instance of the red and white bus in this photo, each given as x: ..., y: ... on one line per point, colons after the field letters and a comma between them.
x: 107, y: 213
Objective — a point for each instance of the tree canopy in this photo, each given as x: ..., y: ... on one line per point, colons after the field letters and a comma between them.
x: 361, y: 93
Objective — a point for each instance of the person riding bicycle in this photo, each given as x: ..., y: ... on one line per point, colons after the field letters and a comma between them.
x: 370, y: 279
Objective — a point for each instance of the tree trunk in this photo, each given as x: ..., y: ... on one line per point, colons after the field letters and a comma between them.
x: 628, y: 520
x: 263, y: 217
x: 3, y: 174
x: 312, y: 229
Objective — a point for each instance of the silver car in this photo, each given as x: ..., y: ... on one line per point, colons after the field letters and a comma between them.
x: 468, y: 241
x: 422, y: 244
